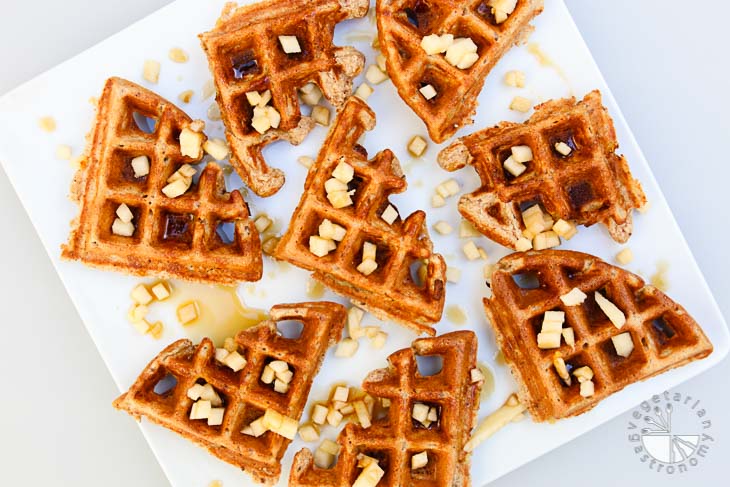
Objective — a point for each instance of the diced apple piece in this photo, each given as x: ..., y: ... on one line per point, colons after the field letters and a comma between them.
x: 253, y: 97
x: 262, y: 223
x: 260, y: 123
x: 354, y: 318
x: 305, y: 161
x: 309, y: 433
x: 468, y: 60
x: 522, y: 153
x: 341, y: 394
x: 346, y: 348
x: 623, y: 343
x: 370, y: 476
x: 200, y: 410
x: 437, y: 201
x: 191, y: 143
x: 367, y: 267
x: 569, y: 336
x: 290, y: 44
x: 187, y: 312
x: 587, y: 388
x: 369, y: 251
x: 614, y: 314
x: 257, y: 427
x: 280, y: 386
x: 141, y: 295
x: 574, y: 297
x: 176, y: 188
x: 520, y: 104
x: 217, y: 148
x: 565, y: 229
x: 476, y: 375
x: 513, y: 167
x: 363, y: 416
x: 268, y: 375
x: 161, y: 290
x: 311, y: 94
x: 453, y: 274
x: 428, y: 92
x: 344, y: 172
x: 561, y: 369
x: 467, y: 230
x: 285, y: 376
x: 209, y: 394
x: 471, y: 251
x: 331, y: 231
x: 516, y: 79
x: 221, y: 354
x: 375, y: 75
x: 545, y: 240
x: 443, y: 228
x: 322, y: 459
x: 151, y: 71
x: 319, y: 414
x: 460, y: 48
x: 419, y: 460
x: 381, y: 62
x: 583, y: 373
x: 523, y: 244
x: 140, y: 166
x: 548, y: 340
x: 417, y: 146
x: 235, y: 361
x: 137, y: 313
x: 321, y: 115
x: 195, y: 392
x: 215, y: 417
x: 334, y: 417
x: 436, y: 44
x: 553, y: 321
x: 626, y: 256
x: 420, y: 412
x: 378, y: 341
x: 534, y: 220
x: 319, y: 246
x: 364, y: 91
x: 563, y: 148
x: 389, y: 215
x: 122, y: 229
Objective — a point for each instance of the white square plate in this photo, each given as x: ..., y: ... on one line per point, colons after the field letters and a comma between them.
x: 102, y: 298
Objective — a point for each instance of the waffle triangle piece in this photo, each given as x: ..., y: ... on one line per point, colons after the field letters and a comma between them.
x: 527, y: 285
x: 246, y: 54
x: 173, y: 237
x: 161, y: 392
x: 396, y: 437
x: 389, y: 291
x: 591, y: 184
x: 402, y: 24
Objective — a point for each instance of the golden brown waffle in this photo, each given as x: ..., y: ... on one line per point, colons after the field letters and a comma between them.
x: 391, y: 292
x: 244, y: 396
x: 245, y: 55
x: 395, y: 437
x: 526, y: 285
x: 173, y: 237
x: 402, y: 24
x: 591, y: 185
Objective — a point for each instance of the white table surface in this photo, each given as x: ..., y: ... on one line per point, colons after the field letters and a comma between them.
x: 668, y: 75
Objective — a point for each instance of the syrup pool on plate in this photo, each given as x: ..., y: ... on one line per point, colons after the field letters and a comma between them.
x: 221, y: 312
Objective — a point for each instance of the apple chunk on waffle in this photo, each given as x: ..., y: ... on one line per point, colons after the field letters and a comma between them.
x: 142, y: 210
x: 439, y: 52
x: 260, y: 56
x: 557, y: 170
x: 419, y: 439
x: 221, y: 398
x: 575, y: 330
x: 346, y: 231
